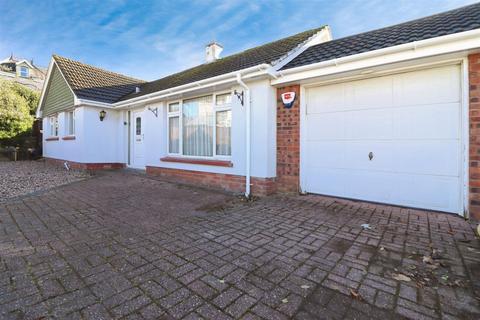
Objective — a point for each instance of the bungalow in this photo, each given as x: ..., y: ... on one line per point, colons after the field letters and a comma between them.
x: 390, y: 116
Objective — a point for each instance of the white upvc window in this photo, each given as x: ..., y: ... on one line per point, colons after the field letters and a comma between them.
x: 70, y: 123
x: 53, y: 126
x: 200, y: 127
x: 24, y: 72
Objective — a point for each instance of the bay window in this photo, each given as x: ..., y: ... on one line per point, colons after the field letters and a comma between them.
x: 200, y: 127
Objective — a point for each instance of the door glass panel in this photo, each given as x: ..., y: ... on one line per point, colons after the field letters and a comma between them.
x: 138, y: 126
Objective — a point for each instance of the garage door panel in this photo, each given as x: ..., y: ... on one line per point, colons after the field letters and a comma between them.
x: 369, y: 93
x: 326, y: 154
x: 357, y: 155
x: 326, y: 99
x: 409, y: 157
x: 438, y: 121
x: 411, y: 123
x: 430, y: 86
x: 423, y: 192
x: 374, y: 124
x: 326, y: 181
x: 408, y: 190
x: 428, y: 157
x: 326, y: 126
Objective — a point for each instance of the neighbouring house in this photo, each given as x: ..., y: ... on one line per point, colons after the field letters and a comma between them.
x: 390, y: 116
x: 22, y: 71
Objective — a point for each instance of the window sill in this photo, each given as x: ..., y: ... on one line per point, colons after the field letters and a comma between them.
x: 218, y: 163
x: 52, y: 139
x: 68, y: 138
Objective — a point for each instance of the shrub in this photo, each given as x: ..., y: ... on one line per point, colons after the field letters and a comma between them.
x: 17, y: 109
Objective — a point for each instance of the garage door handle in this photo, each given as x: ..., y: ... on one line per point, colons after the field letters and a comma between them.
x: 370, y: 155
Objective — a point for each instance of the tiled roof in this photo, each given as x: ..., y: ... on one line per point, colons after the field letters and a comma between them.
x: 93, y: 83
x: 267, y: 53
x: 454, y: 21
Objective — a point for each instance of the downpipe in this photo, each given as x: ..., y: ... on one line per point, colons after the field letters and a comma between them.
x: 247, y: 136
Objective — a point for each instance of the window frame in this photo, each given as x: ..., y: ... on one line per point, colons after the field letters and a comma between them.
x: 179, y: 114
x: 27, y: 72
x: 67, y: 123
x: 54, y: 126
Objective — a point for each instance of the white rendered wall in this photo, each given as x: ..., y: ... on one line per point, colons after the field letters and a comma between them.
x: 71, y: 150
x: 263, y: 147
x: 95, y: 141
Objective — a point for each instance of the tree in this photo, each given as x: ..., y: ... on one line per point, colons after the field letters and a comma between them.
x: 17, y: 109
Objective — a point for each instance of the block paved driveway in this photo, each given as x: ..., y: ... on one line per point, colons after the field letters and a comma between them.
x: 122, y: 245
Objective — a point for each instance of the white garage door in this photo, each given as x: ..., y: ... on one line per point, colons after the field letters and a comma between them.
x: 394, y: 139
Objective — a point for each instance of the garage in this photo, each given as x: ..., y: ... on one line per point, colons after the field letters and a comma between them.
x: 393, y: 139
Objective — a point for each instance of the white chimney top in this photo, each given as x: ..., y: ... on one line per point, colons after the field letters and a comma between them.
x: 137, y: 90
x: 212, y: 51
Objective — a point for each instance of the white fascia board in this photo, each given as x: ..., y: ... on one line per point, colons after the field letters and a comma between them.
x: 25, y: 61
x: 91, y: 103
x: 136, y: 104
x: 260, y: 69
x: 458, y: 42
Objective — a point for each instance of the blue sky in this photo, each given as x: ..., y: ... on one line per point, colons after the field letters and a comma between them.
x: 150, y: 39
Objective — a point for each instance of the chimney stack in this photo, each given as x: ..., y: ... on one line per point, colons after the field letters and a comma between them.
x: 212, y: 51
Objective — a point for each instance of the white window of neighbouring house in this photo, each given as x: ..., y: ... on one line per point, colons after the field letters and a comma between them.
x: 70, y: 123
x: 24, y: 72
x: 200, y: 127
x: 53, y: 126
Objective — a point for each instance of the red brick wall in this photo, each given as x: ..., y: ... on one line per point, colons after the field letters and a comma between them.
x: 288, y: 142
x: 85, y: 166
x: 474, y: 183
x: 227, y: 182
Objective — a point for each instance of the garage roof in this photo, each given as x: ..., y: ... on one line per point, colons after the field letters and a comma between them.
x: 454, y: 21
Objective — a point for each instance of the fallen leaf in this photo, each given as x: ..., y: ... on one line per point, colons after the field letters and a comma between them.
x: 304, y: 286
x: 285, y: 300
x: 401, y: 277
x: 355, y: 294
x: 382, y: 248
x: 445, y: 277
x: 221, y: 281
x: 427, y: 259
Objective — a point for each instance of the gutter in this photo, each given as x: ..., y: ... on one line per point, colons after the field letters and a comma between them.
x: 94, y: 103
x: 380, y: 52
x: 221, y: 79
x: 247, y: 136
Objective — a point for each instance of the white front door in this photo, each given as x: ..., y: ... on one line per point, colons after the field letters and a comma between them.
x: 393, y: 139
x: 138, y: 152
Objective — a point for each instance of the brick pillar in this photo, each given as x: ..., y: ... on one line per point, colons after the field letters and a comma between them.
x: 288, y: 142
x: 474, y: 152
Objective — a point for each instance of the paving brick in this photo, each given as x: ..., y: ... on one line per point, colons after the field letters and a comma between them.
x: 154, y: 254
x: 226, y: 297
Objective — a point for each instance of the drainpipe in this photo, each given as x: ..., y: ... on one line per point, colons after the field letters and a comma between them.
x: 248, y: 134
